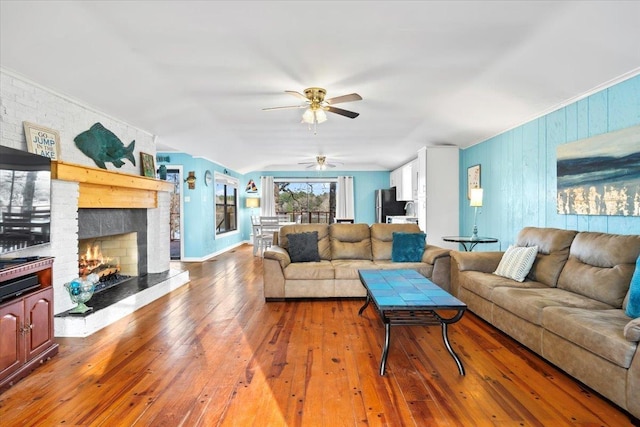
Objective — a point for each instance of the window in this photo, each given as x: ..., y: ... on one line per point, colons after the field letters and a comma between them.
x: 306, y: 200
x: 226, y: 200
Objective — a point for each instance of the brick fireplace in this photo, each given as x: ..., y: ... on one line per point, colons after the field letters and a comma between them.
x: 126, y: 213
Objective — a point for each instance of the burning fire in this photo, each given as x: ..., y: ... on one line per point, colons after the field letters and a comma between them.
x: 93, y: 261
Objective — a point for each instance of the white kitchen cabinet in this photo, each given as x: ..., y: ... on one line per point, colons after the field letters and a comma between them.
x: 406, y: 182
x: 414, y: 179
x: 438, y: 187
x: 395, y: 178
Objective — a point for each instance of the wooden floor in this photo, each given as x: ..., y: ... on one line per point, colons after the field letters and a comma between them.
x: 214, y: 353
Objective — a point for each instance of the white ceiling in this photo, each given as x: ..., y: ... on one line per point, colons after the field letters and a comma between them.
x: 198, y: 73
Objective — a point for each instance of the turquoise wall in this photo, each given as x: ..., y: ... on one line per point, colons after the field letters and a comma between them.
x: 199, y: 237
x: 518, y: 168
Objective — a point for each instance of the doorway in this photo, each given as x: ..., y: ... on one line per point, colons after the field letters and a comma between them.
x: 175, y: 210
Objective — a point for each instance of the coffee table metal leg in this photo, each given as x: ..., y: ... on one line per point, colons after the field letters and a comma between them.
x: 385, y: 350
x: 366, y: 304
x: 445, y: 337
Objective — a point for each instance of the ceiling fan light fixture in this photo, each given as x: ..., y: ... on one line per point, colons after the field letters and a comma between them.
x: 308, y: 116
x: 321, y: 116
x: 314, y: 115
x: 322, y: 163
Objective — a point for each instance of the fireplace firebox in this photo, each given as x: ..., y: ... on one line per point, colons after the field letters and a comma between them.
x: 113, y: 244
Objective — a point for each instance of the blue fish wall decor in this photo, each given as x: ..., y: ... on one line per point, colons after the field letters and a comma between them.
x: 102, y: 146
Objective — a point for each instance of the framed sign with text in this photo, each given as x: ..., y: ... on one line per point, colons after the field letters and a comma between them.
x: 42, y: 141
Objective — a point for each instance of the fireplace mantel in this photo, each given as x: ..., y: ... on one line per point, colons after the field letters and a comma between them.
x: 101, y: 188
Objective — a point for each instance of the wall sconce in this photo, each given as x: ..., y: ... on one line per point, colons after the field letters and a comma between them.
x: 191, y: 180
x: 476, y: 202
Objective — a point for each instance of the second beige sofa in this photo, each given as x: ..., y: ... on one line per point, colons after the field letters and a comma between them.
x: 570, y: 309
x: 344, y: 249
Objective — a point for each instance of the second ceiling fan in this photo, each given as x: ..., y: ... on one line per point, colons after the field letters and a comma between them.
x: 320, y: 163
x: 316, y: 105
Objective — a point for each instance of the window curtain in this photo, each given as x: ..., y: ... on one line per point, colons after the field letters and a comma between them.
x: 268, y: 202
x: 344, y: 198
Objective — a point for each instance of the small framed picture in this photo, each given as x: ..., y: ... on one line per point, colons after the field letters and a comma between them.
x: 473, y: 179
x: 148, y: 165
x: 42, y: 141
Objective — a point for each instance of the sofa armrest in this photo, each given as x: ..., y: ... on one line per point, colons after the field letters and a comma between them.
x: 279, y: 254
x: 632, y: 330
x: 432, y: 253
x: 273, y: 265
x: 486, y: 262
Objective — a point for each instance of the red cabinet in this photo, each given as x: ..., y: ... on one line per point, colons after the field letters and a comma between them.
x: 12, y: 347
x: 26, y: 324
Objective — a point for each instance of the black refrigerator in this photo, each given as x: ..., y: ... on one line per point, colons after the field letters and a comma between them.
x: 387, y: 205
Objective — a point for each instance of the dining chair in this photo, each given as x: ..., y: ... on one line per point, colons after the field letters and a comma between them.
x: 344, y: 220
x: 256, y: 232
x: 269, y: 225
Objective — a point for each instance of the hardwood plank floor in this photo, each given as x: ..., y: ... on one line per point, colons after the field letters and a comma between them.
x: 213, y: 353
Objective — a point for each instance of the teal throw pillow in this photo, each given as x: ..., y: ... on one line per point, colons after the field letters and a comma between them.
x: 633, y: 306
x: 407, y: 247
x: 303, y: 247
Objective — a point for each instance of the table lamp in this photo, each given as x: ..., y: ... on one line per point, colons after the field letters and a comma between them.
x: 476, y: 202
x: 252, y: 202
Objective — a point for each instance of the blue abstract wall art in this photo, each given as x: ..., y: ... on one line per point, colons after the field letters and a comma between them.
x: 600, y: 175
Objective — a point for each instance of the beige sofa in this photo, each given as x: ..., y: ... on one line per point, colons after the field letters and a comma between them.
x: 343, y: 249
x: 569, y: 309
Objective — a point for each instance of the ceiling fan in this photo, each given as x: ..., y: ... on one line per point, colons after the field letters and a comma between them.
x: 321, y: 163
x: 316, y: 105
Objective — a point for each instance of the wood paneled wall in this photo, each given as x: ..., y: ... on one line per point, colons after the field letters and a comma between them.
x: 519, y: 167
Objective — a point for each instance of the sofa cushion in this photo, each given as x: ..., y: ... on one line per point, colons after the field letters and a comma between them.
x: 599, y: 331
x: 350, y: 241
x: 309, y: 271
x: 483, y: 284
x: 553, y: 250
x: 348, y: 268
x: 632, y: 300
x: 600, y: 266
x: 386, y: 264
x: 407, y: 247
x: 324, y: 247
x: 382, y: 238
x: 303, y: 247
x: 530, y: 303
x: 516, y: 262
x: 632, y: 330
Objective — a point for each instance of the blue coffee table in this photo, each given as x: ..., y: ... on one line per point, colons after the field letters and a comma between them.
x: 405, y: 297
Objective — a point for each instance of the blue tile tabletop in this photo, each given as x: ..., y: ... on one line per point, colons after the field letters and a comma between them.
x: 405, y: 289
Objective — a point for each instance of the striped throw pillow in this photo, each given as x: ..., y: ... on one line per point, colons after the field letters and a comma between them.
x: 516, y: 262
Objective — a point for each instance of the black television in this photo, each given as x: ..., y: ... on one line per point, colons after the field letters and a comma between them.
x: 25, y: 199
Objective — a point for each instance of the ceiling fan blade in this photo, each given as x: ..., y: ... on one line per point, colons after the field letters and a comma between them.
x: 296, y: 94
x: 346, y: 113
x: 344, y: 98
x: 284, y: 108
